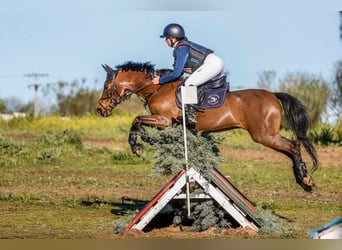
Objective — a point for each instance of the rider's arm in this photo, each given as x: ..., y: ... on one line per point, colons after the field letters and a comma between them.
x: 182, y: 54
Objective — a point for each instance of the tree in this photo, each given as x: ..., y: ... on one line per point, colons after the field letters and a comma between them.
x: 311, y: 89
x: 266, y: 79
x: 14, y: 104
x: 73, y: 98
x: 2, y: 106
x: 336, y: 97
x: 341, y: 25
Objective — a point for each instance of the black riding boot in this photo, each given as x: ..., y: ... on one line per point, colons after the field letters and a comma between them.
x: 190, y: 114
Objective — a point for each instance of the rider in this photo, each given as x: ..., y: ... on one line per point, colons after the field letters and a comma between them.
x: 190, y: 58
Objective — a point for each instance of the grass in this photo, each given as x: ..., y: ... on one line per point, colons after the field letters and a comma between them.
x: 88, y: 126
x: 273, y: 184
x: 24, y: 221
x: 51, y: 186
x: 77, y: 196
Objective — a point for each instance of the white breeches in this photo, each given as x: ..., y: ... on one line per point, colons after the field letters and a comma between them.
x: 211, y: 68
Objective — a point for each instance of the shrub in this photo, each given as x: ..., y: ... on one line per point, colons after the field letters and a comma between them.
x: 12, y: 153
x: 127, y: 157
x: 270, y: 222
x: 66, y: 137
x: 339, y: 132
x: 325, y: 134
x: 205, y: 214
x: 169, y: 151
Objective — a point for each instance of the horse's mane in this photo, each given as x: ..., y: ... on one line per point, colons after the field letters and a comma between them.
x: 134, y: 66
x: 141, y: 67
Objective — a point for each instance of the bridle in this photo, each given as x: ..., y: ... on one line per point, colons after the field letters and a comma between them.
x: 115, y: 101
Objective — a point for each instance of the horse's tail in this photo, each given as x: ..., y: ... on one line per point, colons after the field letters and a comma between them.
x: 297, y: 118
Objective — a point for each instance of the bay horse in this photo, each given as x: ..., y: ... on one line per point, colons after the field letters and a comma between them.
x: 255, y: 110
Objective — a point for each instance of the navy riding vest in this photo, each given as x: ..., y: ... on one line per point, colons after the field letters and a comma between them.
x: 197, y: 54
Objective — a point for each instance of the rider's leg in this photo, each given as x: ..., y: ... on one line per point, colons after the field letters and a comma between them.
x: 212, y: 67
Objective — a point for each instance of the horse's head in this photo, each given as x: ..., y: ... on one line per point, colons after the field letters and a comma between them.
x: 109, y: 96
x: 127, y: 79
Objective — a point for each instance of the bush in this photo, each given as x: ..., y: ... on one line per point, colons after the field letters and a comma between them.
x: 326, y: 134
x: 205, y: 214
x: 169, y: 151
x: 12, y: 153
x: 339, y: 132
x: 270, y: 222
x: 45, y: 149
x: 127, y: 157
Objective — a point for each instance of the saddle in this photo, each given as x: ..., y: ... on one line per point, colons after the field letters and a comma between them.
x: 210, y: 94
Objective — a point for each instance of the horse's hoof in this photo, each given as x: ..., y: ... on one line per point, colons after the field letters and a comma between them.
x: 309, y: 181
x: 306, y: 188
x: 138, y: 152
x: 136, y: 149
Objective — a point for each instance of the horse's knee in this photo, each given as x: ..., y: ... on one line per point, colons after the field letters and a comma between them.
x: 136, y: 124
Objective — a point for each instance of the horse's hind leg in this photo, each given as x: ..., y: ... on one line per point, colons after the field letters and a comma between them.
x: 291, y: 149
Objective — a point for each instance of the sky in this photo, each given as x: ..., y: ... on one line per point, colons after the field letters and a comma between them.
x: 69, y: 40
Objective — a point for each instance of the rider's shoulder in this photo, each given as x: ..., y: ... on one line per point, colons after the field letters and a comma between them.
x: 183, y: 43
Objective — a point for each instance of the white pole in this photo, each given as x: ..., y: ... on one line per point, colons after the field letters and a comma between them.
x: 189, y: 96
x: 186, y: 161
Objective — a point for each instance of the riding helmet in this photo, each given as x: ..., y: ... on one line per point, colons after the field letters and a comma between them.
x: 173, y: 30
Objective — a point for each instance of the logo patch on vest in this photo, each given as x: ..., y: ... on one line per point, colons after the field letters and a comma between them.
x: 213, y: 99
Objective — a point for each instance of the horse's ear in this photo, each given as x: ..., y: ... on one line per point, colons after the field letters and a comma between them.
x: 108, y: 69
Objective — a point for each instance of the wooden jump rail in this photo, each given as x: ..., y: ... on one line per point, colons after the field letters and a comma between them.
x: 218, y: 188
x: 154, y: 200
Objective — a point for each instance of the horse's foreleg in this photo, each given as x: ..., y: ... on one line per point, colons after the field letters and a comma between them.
x: 137, y: 129
x: 132, y: 138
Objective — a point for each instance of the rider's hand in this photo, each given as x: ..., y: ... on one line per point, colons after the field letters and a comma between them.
x: 155, y: 80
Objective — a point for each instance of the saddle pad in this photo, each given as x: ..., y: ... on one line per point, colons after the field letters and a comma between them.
x: 208, y: 98
x: 214, y: 98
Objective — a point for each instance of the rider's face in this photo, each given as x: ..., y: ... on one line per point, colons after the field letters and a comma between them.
x: 169, y: 41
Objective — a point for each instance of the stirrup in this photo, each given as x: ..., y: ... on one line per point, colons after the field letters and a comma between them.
x: 191, y: 122
x: 190, y: 116
x: 188, y: 120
